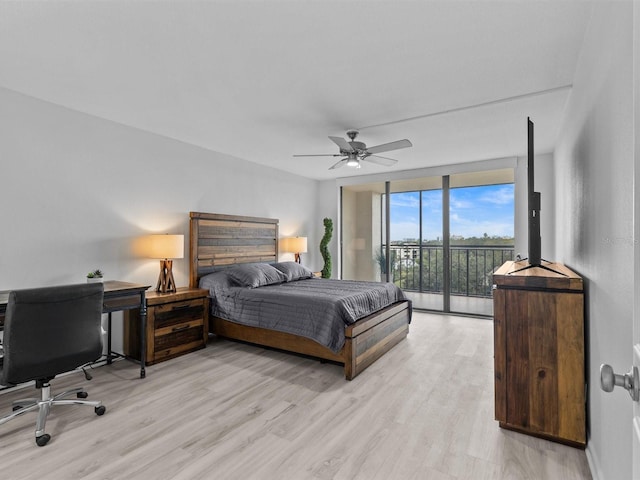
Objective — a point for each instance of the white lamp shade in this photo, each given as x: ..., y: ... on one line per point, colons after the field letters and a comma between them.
x: 165, y: 246
x: 294, y: 244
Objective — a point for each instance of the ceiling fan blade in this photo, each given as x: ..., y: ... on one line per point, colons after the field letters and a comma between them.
x: 380, y: 160
x: 339, y: 164
x: 342, y: 144
x: 386, y: 147
x: 320, y: 155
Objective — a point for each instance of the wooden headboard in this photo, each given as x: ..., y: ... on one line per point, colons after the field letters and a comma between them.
x: 217, y: 241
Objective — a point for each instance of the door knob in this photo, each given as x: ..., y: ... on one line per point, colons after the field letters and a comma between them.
x: 630, y: 381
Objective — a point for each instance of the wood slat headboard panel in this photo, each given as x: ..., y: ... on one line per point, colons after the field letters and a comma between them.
x: 218, y: 240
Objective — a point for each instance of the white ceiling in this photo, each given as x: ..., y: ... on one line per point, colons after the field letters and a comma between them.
x: 263, y: 80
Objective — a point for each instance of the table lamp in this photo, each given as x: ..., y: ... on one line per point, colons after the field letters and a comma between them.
x: 296, y: 245
x: 166, y: 248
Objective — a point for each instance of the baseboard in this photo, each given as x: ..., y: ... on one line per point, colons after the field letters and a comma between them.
x: 593, y: 463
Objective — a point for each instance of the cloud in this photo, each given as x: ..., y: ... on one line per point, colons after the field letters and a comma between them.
x: 404, y: 200
x: 432, y: 201
x: 462, y: 204
x: 501, y: 196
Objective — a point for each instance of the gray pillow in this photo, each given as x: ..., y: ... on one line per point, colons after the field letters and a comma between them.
x: 255, y: 275
x: 216, y: 281
x: 293, y: 271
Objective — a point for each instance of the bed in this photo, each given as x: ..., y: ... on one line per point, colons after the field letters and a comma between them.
x: 223, y: 245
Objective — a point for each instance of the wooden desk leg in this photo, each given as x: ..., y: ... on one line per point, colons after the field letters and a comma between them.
x: 143, y: 334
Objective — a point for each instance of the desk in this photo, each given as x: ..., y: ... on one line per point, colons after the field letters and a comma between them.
x: 118, y: 296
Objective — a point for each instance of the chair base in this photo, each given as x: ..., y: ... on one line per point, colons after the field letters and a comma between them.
x: 43, y: 406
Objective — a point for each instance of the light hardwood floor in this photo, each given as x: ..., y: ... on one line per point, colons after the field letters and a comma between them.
x: 233, y: 411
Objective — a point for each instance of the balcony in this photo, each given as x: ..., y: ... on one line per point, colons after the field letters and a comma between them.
x: 419, y: 271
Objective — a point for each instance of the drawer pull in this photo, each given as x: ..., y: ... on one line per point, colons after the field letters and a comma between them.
x: 180, y: 307
x: 179, y: 329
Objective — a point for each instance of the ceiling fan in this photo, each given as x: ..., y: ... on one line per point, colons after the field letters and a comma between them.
x: 354, y: 152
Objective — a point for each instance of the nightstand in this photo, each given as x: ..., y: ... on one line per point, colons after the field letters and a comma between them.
x: 176, y: 324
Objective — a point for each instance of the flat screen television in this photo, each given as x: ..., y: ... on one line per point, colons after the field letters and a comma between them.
x: 535, y: 241
x: 533, y: 206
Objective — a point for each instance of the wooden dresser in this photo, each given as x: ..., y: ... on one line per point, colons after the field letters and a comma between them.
x: 176, y: 324
x: 540, y: 384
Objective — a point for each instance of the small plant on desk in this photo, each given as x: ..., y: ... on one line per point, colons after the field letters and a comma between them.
x: 94, y: 276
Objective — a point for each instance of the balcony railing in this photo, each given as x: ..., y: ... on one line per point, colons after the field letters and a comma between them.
x: 420, y: 268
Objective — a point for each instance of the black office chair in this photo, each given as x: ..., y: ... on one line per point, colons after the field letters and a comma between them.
x: 49, y: 331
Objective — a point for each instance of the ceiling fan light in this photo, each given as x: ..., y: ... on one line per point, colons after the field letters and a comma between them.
x: 353, y: 162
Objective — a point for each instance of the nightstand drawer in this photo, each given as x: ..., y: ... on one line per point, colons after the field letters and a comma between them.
x: 176, y: 328
x: 178, y: 312
x: 176, y: 339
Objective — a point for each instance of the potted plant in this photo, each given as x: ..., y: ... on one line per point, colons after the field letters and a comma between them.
x: 94, y: 276
x: 324, y: 249
x: 381, y: 261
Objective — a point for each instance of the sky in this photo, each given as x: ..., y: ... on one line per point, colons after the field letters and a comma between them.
x: 474, y: 211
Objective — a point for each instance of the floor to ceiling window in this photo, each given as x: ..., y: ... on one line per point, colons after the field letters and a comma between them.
x: 417, y: 240
x: 481, y: 235
x: 447, y: 234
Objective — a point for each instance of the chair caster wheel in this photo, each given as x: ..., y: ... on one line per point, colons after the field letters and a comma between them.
x: 42, y: 440
x: 100, y: 410
x: 82, y: 394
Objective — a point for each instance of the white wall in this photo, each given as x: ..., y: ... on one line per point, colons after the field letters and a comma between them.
x: 594, y: 166
x: 76, y: 191
x: 636, y: 226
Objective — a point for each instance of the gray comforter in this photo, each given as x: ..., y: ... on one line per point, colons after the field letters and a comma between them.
x: 314, y: 308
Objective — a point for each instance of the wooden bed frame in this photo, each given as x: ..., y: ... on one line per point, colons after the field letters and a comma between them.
x: 218, y: 241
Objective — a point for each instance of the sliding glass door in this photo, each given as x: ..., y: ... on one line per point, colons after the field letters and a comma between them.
x: 481, y: 217
x: 416, y: 240
x: 446, y: 236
